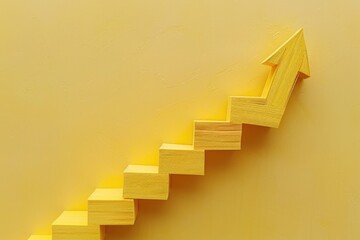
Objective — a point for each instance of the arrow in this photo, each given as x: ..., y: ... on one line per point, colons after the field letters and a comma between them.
x: 289, y: 63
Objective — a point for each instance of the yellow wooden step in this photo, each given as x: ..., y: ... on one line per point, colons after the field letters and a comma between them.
x: 107, y: 206
x: 111, y: 206
x: 217, y: 135
x: 181, y: 159
x: 253, y: 113
x: 145, y: 182
x: 73, y: 225
x: 40, y: 237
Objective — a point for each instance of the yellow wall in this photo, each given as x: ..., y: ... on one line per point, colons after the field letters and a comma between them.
x: 89, y: 86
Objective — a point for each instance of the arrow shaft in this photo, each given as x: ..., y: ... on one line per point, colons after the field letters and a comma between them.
x: 285, y: 76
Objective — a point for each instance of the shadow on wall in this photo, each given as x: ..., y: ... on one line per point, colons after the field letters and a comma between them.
x: 188, y: 196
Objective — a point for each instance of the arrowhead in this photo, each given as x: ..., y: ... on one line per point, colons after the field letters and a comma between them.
x: 295, y: 40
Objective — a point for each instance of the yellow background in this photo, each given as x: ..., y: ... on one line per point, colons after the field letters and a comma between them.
x: 89, y: 86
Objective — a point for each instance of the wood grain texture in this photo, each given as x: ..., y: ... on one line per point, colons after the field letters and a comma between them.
x: 119, y: 206
x: 106, y: 206
x: 40, y: 237
x: 145, y: 182
x: 256, y: 114
x: 289, y: 63
x: 181, y: 159
x: 217, y: 135
x: 73, y: 225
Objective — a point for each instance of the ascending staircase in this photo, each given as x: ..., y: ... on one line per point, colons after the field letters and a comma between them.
x: 119, y: 206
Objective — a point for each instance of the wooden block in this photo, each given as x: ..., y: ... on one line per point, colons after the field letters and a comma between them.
x: 40, y: 237
x: 145, y: 182
x: 106, y: 206
x: 217, y: 135
x: 255, y: 113
x: 181, y: 159
x: 73, y: 225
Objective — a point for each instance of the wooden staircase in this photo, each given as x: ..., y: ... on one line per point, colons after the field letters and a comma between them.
x: 115, y: 206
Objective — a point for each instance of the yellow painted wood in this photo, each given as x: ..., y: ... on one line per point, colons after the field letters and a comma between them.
x: 217, y: 135
x: 73, y: 225
x: 288, y: 63
x: 181, y: 159
x: 40, y: 237
x: 253, y: 113
x: 119, y: 206
x: 107, y: 206
x: 145, y: 182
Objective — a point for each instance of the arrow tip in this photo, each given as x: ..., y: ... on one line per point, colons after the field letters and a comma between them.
x: 275, y: 58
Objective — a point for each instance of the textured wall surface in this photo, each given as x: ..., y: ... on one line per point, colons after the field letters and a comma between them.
x: 87, y: 87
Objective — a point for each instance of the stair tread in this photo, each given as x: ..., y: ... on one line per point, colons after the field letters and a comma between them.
x: 142, y: 169
x: 108, y: 194
x: 171, y: 146
x: 72, y: 218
